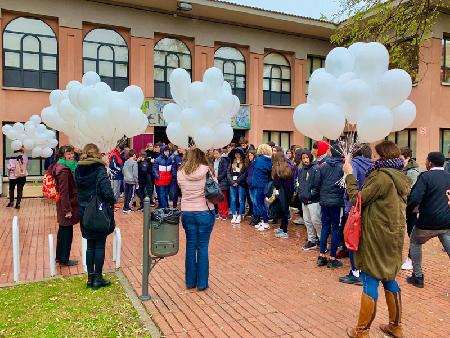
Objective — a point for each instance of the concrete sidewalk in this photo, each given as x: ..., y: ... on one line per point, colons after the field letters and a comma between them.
x: 260, y: 286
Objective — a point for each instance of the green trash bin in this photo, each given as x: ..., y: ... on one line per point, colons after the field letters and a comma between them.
x: 165, y: 232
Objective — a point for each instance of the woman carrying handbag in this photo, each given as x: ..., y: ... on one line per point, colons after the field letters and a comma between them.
x: 94, y: 187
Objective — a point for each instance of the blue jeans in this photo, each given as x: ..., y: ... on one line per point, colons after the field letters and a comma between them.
x: 163, y: 196
x: 259, y: 205
x: 237, y: 195
x: 351, y: 255
x: 331, y: 217
x: 198, y: 226
x: 370, y: 285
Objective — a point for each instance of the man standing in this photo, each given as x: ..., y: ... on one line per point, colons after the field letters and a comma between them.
x: 162, y: 172
x: 431, y: 194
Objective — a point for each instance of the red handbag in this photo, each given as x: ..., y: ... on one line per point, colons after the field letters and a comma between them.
x: 352, y: 228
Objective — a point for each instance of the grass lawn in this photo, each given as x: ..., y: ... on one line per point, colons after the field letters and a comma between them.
x: 64, y: 307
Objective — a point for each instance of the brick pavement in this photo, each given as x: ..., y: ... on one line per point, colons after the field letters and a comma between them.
x: 260, y: 286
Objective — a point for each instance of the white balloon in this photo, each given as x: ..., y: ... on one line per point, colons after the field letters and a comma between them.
x: 213, y: 77
x: 212, y: 112
x: 330, y: 120
x: 47, y: 152
x: 179, y: 78
x: 36, y: 119
x: 227, y: 87
x: 355, y: 48
x: 36, y: 152
x: 227, y: 103
x: 56, y: 96
x: 375, y: 123
x: 177, y: 134
x: 236, y: 106
x: 356, y: 96
x: 41, y: 139
x: 317, y: 72
x: 223, y: 135
x: 102, y: 88
x: 323, y: 88
x: 30, y: 127
x: 52, y: 143
x: 28, y: 143
x: 393, y: 88
x: 190, y: 120
x: 87, y: 97
x: 74, y: 90
x: 305, y: 121
x: 134, y: 95
x: 72, y: 84
x: 372, y: 61
x: 339, y: 61
x: 12, y: 134
x: 98, y: 120
x: 346, y: 77
x: 41, y: 128
x: 119, y: 109
x: 7, y: 128
x: 404, y: 115
x: 66, y: 110
x: 172, y: 112
x: 90, y: 78
x: 16, y: 145
x: 181, y: 96
x: 49, y: 116
x: 19, y: 127
x: 204, y: 138
x: 196, y: 93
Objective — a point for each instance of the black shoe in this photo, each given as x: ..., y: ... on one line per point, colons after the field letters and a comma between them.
x: 350, y: 279
x: 418, y: 282
x: 254, y: 221
x: 10, y: 205
x: 321, y: 261
x: 90, y: 280
x: 309, y: 246
x: 17, y: 206
x: 334, y: 263
x: 69, y: 263
x: 202, y: 289
x: 99, y: 281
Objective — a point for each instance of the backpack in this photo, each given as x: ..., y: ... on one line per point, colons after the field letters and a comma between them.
x: 96, y: 217
x: 20, y: 169
x: 49, y: 187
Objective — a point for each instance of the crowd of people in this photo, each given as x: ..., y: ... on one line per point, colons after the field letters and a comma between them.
x: 268, y: 185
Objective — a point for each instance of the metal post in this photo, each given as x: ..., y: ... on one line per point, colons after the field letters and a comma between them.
x: 114, y: 246
x: 51, y: 255
x: 118, y: 237
x: 145, y: 256
x: 16, y: 249
x: 83, y: 252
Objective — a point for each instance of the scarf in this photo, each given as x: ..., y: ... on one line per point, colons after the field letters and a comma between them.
x: 72, y: 165
x: 394, y: 163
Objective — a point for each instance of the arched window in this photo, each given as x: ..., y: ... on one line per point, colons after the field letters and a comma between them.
x: 106, y: 53
x: 30, y: 54
x: 232, y: 63
x: 277, y: 80
x: 170, y: 54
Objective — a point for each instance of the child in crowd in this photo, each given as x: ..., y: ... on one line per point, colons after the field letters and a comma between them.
x: 144, y: 169
x: 162, y: 171
x: 131, y: 180
x: 237, y: 179
x: 221, y: 166
x: 250, y: 159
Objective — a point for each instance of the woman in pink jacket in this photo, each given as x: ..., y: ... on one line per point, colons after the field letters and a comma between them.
x: 197, y: 217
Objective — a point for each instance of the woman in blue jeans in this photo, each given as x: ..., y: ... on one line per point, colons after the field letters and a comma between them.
x: 197, y: 217
x: 237, y: 174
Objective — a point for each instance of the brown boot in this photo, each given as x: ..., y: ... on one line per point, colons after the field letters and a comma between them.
x: 394, y: 303
x: 366, y: 316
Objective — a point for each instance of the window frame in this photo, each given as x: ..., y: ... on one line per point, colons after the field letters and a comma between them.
x: 112, y: 79
x: 441, y: 141
x: 445, y: 68
x: 242, y: 98
x: 21, y: 53
x: 166, y: 68
x: 270, y: 92
x: 310, y: 59
x: 410, y: 131
x: 280, y: 132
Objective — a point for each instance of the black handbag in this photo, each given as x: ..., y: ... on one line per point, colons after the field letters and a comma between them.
x: 213, y: 193
x: 96, y: 216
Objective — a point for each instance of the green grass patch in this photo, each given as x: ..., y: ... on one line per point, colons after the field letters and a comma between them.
x: 64, y: 307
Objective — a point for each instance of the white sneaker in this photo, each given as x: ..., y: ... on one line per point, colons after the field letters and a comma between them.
x: 258, y: 225
x: 238, y: 219
x: 264, y: 227
x: 407, y: 265
x: 233, y: 220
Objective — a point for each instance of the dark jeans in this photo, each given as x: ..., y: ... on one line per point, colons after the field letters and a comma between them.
x: 163, y: 196
x: 95, y: 255
x: 141, y: 192
x: 150, y: 188
x: 259, y: 206
x: 351, y: 255
x: 249, y: 201
x: 176, y: 193
x: 64, y: 243
x: 130, y: 191
x: 331, y: 217
x: 370, y: 285
x: 198, y: 226
x: 19, y: 182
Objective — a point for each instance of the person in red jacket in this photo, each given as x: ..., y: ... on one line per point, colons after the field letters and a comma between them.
x: 67, y: 204
x: 162, y: 172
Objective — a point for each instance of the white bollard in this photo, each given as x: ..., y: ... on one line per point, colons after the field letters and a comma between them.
x: 52, y: 256
x: 114, y: 246
x: 83, y: 252
x: 16, y: 248
x: 118, y: 237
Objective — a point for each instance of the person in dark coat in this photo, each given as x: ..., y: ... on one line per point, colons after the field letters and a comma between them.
x: 221, y: 167
x: 66, y: 203
x: 262, y: 173
x: 237, y: 177
x: 251, y: 156
x: 144, y: 169
x: 177, y: 159
x: 331, y: 202
x: 91, y: 177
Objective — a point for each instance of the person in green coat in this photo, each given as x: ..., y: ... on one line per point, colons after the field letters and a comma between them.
x: 383, y: 221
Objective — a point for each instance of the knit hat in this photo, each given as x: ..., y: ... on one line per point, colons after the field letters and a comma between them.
x: 322, y: 148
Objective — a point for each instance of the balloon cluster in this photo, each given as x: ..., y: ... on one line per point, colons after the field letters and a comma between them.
x: 32, y: 136
x: 90, y: 112
x: 356, y: 86
x: 203, y: 110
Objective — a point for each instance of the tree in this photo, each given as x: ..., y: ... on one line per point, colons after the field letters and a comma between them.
x: 401, y: 25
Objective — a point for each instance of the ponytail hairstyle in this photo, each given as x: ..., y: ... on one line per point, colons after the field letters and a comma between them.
x: 90, y: 150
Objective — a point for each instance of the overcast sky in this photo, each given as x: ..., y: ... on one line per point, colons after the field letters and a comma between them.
x: 309, y: 8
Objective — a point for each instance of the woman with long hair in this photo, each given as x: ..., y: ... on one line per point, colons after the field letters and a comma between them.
x: 92, y: 178
x: 383, y: 222
x: 237, y: 178
x: 197, y: 216
x: 66, y: 203
x: 250, y: 163
x: 17, y: 174
x: 283, y: 176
